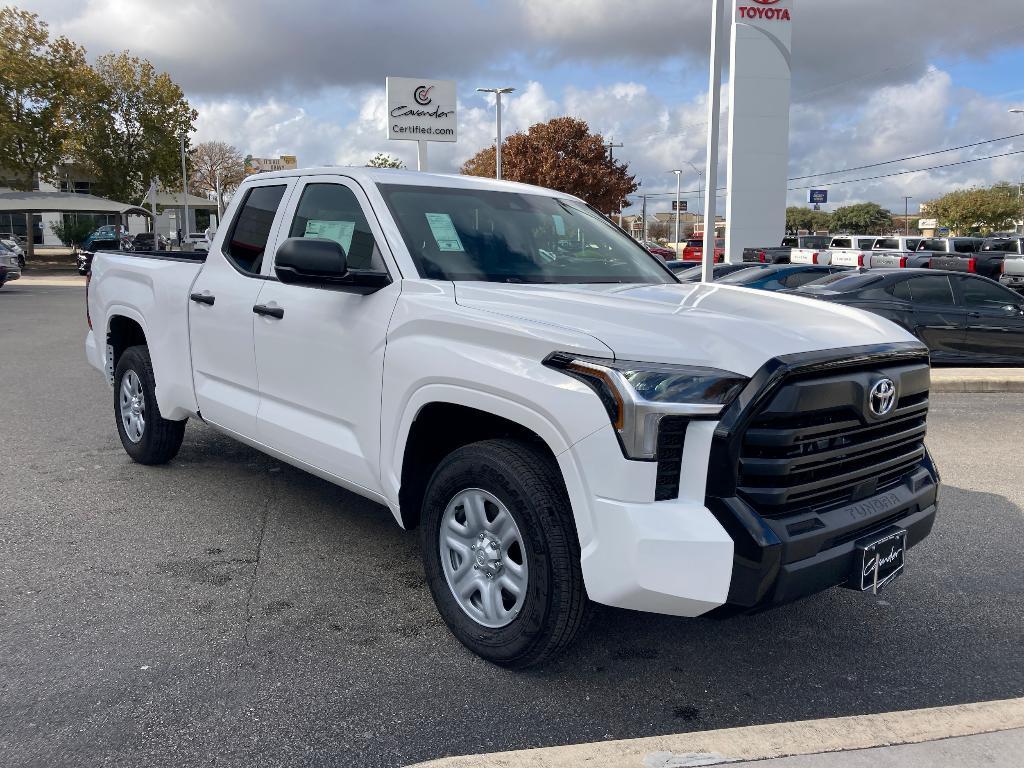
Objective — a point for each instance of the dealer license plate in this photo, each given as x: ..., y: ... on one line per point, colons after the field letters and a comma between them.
x: 881, y: 559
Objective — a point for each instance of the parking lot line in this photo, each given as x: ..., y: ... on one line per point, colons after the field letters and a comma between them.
x: 761, y: 742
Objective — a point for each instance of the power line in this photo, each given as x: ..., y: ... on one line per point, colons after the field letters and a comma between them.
x: 915, y: 170
x: 904, y: 159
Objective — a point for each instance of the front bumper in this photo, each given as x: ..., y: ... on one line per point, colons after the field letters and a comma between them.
x: 1012, y: 281
x: 778, y: 561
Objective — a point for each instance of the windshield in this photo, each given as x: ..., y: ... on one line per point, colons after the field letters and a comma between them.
x: 511, y: 237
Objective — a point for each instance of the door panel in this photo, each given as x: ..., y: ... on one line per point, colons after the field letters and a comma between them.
x: 320, y: 364
x: 938, y: 321
x: 995, y: 322
x: 221, y: 316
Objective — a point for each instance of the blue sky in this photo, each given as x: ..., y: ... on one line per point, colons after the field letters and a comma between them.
x: 873, y: 80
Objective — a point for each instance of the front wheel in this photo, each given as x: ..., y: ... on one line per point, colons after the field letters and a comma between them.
x: 147, y: 436
x: 501, y: 552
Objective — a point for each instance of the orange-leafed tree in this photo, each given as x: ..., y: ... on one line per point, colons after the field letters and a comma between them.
x: 560, y: 154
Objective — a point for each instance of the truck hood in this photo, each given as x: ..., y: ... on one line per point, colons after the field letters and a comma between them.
x: 732, y: 328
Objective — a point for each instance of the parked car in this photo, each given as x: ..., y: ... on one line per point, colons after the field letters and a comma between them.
x: 853, y: 245
x: 780, y: 277
x: 107, y: 242
x: 433, y: 345
x: 987, y: 260
x: 694, y: 249
x: 11, y: 264
x: 935, y: 247
x: 144, y: 241
x: 781, y: 254
x: 1011, y: 271
x: 196, y: 241
x: 16, y: 248
x: 688, y: 272
x: 963, y: 318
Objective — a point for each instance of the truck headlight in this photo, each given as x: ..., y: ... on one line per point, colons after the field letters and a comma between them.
x: 638, y: 395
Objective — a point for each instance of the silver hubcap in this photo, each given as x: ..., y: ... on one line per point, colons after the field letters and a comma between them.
x: 133, y: 406
x: 484, y: 558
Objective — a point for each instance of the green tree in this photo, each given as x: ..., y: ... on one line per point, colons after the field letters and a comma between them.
x: 41, y: 83
x: 384, y: 160
x: 73, y: 232
x: 801, y: 218
x: 131, y: 130
x: 561, y: 154
x: 976, y: 209
x: 862, y: 219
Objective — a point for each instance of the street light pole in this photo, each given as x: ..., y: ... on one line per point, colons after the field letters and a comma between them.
x: 906, y: 213
x: 679, y: 173
x: 700, y: 186
x: 184, y: 193
x: 497, y: 125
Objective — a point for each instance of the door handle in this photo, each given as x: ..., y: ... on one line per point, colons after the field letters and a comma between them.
x: 203, y: 298
x: 263, y: 309
x: 974, y: 314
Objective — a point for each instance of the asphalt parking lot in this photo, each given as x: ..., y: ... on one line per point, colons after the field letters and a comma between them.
x: 227, y: 609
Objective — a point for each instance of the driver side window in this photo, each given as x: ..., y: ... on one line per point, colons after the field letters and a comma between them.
x: 332, y: 212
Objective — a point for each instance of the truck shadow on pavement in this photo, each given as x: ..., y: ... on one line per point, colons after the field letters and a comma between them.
x: 313, y: 605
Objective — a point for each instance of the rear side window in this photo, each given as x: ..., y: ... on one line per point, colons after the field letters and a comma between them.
x: 332, y: 212
x: 900, y: 290
x: 887, y: 244
x: 912, y: 244
x: 865, y: 243
x: 966, y: 246
x: 841, y: 242
x: 245, y: 244
x: 980, y: 293
x: 931, y: 290
x: 789, y: 242
x: 796, y: 279
x: 932, y: 245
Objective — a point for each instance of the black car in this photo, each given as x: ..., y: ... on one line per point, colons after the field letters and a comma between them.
x: 103, y: 244
x: 689, y: 272
x: 144, y: 242
x: 963, y: 318
x: 781, y: 277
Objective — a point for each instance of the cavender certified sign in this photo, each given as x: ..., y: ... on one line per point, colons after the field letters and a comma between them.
x: 421, y: 110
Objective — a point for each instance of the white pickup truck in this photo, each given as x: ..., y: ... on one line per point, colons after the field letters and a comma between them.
x: 849, y: 249
x: 505, y: 369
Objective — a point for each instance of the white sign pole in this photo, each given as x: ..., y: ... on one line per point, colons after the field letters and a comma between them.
x: 421, y: 155
x: 711, y: 161
x: 759, y: 97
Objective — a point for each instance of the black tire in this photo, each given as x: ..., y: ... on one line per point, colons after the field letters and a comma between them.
x: 161, y: 438
x: 527, y: 481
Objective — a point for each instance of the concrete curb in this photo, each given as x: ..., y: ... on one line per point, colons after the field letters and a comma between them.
x: 969, y: 380
x: 761, y: 742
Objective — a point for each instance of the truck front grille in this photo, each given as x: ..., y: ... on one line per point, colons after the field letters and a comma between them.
x: 815, y: 446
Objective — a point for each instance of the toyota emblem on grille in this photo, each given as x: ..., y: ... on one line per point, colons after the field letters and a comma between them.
x: 882, y: 397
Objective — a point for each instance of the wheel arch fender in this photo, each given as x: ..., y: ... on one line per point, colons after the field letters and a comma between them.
x: 524, y: 418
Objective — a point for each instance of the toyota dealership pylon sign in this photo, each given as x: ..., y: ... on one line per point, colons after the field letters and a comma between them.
x: 421, y: 110
x: 759, y: 95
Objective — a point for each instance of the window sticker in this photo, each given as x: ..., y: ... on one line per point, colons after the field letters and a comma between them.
x: 559, y: 224
x: 338, y: 231
x: 445, y: 236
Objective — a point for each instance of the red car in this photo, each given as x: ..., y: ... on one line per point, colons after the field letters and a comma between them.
x: 659, y: 250
x: 694, y: 250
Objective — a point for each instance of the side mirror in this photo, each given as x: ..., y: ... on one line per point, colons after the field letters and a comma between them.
x: 310, y: 261
x: 322, y: 263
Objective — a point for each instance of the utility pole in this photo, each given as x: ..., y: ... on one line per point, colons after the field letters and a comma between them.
x: 906, y: 213
x: 679, y: 173
x: 714, y: 119
x: 152, y: 210
x: 643, y: 216
x: 1020, y: 184
x: 497, y: 125
x: 611, y: 150
x: 220, y: 207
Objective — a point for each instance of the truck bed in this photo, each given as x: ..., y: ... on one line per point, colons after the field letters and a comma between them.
x: 152, y: 288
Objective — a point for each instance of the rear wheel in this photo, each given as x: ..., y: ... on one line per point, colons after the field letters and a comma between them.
x: 146, y: 436
x: 501, y: 552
